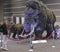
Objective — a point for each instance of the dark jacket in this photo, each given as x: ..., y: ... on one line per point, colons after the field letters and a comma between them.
x: 1, y: 28
x: 12, y: 29
x: 5, y: 31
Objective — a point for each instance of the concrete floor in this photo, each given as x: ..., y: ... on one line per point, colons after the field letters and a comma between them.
x: 23, y: 46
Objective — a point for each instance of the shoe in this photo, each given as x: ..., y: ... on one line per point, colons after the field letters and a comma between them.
x: 4, y: 49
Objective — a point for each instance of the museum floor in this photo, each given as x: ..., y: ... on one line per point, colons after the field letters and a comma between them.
x: 23, y: 46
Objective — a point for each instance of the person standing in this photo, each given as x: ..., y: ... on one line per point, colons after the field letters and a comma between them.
x: 4, y: 37
x: 14, y: 31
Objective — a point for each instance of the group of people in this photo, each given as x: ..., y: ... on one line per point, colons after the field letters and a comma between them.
x: 20, y: 32
x: 15, y: 30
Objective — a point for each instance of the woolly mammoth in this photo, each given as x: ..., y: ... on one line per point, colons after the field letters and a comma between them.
x: 38, y: 14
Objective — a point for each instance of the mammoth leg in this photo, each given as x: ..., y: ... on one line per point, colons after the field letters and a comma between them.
x: 38, y: 34
x: 50, y: 24
x: 50, y: 29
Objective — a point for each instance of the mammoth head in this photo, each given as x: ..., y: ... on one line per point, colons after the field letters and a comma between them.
x: 32, y: 4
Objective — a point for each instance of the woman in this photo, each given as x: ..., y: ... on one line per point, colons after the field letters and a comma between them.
x: 4, y: 37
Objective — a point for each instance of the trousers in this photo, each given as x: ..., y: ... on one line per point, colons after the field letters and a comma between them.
x: 3, y: 40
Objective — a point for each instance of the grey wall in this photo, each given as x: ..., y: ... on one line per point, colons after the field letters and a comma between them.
x: 1, y: 13
x: 52, y: 1
x: 1, y: 10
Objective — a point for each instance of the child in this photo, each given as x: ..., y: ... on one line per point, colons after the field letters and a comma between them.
x: 58, y: 31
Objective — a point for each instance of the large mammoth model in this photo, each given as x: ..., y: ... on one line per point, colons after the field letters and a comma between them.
x: 43, y: 18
